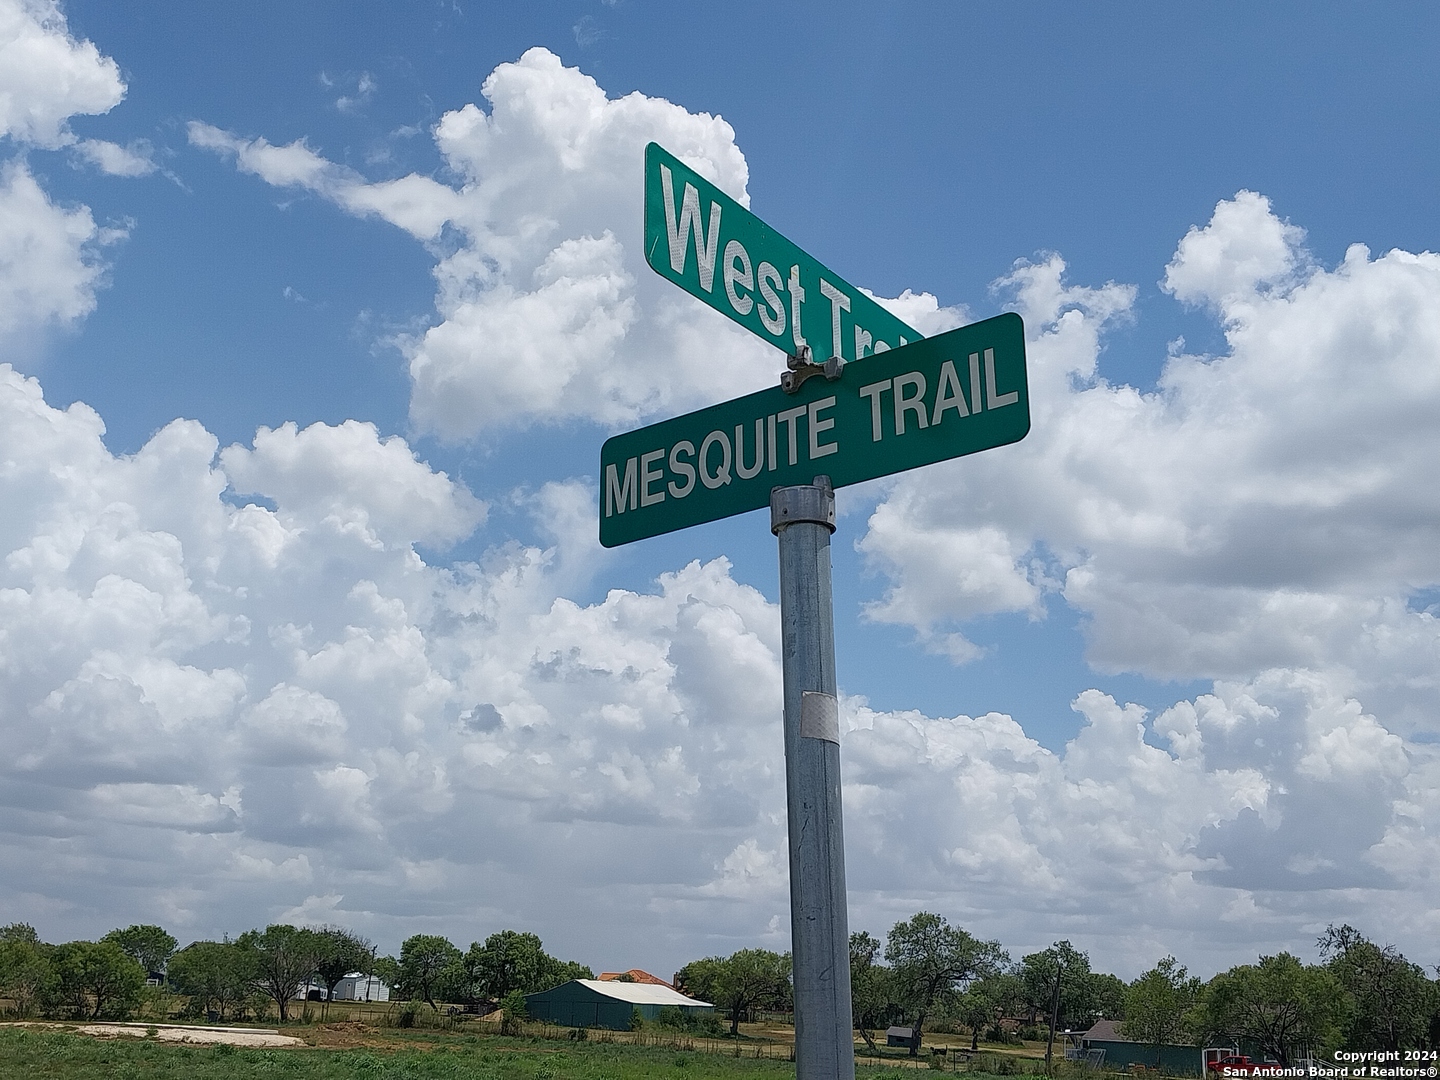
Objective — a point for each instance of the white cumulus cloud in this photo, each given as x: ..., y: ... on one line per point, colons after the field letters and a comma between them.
x: 290, y: 711
x: 50, y: 265
x: 47, y: 76
x: 1267, y: 507
x: 545, y: 311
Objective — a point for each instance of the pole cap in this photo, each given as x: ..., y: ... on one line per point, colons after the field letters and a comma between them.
x: 810, y: 503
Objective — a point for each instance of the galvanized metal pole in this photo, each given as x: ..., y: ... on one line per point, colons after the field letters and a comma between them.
x: 803, y: 518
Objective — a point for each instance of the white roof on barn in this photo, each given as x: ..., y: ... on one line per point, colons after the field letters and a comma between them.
x: 639, y: 993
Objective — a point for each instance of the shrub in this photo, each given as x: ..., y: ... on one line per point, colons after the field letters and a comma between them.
x: 408, y: 1012
x: 674, y: 1018
x: 996, y: 1064
x: 515, y: 1013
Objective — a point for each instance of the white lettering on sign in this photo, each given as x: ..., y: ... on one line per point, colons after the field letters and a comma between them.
x: 643, y: 482
x: 772, y: 311
x: 797, y: 297
x: 754, y: 470
x: 788, y: 418
x: 816, y: 426
x: 737, y: 272
x: 680, y: 468
x: 862, y: 341
x: 650, y: 476
x: 689, y: 223
x: 757, y: 446
x: 838, y: 302
x: 909, y: 396
x: 873, y: 392
x: 721, y: 476
x: 992, y: 401
x: 617, y: 493
x: 948, y: 394
x: 913, y: 403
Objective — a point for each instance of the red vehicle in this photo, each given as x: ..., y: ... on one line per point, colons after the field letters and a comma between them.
x: 1240, y: 1065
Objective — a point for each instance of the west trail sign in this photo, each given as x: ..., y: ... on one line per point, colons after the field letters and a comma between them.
x: 717, y: 251
x: 942, y: 397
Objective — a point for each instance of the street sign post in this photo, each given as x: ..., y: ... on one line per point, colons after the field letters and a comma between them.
x: 889, y: 401
x: 717, y: 251
x: 946, y: 396
x: 802, y: 519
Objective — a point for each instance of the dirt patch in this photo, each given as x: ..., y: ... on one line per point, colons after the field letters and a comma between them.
x: 349, y: 1036
x: 178, y: 1033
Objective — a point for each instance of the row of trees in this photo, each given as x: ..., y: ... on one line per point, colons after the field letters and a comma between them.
x: 106, y: 979
x: 1362, y: 995
x: 927, y: 972
x: 942, y: 973
x: 503, y: 968
x: 85, y: 978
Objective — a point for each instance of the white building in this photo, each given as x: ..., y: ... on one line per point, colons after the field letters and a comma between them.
x: 358, y: 987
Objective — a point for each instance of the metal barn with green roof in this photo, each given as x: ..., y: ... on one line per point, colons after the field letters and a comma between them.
x: 594, y: 1004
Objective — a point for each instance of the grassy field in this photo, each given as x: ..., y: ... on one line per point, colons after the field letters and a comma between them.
x: 337, y: 1053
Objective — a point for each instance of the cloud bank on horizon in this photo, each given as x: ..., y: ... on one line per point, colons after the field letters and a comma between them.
x: 233, y: 689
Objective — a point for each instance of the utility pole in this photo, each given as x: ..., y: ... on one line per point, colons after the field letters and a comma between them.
x: 1054, y: 1009
x: 802, y: 518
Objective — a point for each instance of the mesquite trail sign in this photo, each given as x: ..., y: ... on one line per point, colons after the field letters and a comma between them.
x: 942, y: 397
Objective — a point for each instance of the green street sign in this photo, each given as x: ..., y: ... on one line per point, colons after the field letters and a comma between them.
x: 716, y: 250
x: 942, y: 397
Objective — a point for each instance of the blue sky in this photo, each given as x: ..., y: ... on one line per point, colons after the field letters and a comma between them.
x: 1220, y: 517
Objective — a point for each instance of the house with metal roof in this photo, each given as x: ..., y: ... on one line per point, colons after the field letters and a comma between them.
x: 610, y: 1004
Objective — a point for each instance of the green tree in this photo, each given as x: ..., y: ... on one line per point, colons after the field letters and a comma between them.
x: 1392, y: 1000
x: 216, y: 975
x: 387, y: 970
x: 24, y: 966
x: 697, y: 978
x: 744, y: 980
x: 424, y: 959
x: 94, y: 979
x: 338, y: 952
x: 149, y: 946
x: 284, y: 959
x: 1105, y: 998
x: 511, y: 960
x: 929, y: 957
x: 1158, y: 1003
x: 870, y: 991
x: 1280, y: 1004
x: 1038, y: 972
x: 508, y: 961
x: 987, y: 1000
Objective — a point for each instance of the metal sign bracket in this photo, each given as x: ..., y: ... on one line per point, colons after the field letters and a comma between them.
x: 802, y: 366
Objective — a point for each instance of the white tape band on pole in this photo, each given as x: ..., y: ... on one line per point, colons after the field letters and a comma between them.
x: 819, y: 716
